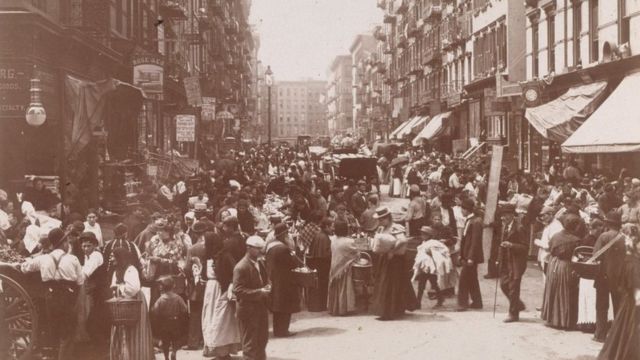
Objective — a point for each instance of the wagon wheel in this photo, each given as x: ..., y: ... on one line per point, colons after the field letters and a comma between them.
x: 19, y: 320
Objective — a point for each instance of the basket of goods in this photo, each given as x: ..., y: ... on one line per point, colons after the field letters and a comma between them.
x: 9, y: 255
x: 583, y: 263
x: 361, y: 268
x: 305, y: 277
x: 124, y: 311
x: 383, y: 243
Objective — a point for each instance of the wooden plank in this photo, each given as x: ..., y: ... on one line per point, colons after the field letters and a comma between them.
x: 492, y: 197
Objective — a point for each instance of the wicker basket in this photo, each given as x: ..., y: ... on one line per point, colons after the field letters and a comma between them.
x: 361, y: 270
x: 579, y: 265
x: 124, y: 311
x: 305, y: 278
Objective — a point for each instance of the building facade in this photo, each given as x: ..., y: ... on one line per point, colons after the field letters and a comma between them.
x: 570, y: 45
x: 161, y: 58
x: 339, y: 98
x: 298, y: 110
x: 361, y: 51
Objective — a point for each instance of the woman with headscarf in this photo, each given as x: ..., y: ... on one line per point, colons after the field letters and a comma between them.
x: 219, y: 325
x: 342, y: 293
x: 136, y: 342
x: 560, y: 303
x: 623, y: 339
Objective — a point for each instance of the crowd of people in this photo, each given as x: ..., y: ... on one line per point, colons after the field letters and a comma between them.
x: 220, y: 251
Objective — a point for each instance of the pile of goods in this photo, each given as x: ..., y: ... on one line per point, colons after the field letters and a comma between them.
x: 9, y: 255
x: 272, y: 204
x: 305, y: 277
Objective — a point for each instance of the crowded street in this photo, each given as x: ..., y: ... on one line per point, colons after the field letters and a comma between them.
x: 319, y: 179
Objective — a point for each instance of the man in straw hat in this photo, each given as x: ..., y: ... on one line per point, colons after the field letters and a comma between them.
x: 251, y: 289
x: 512, y: 258
x: 61, y: 274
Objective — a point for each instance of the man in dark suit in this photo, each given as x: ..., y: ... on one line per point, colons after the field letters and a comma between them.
x: 611, y: 263
x: 358, y: 200
x: 512, y: 259
x: 285, y: 295
x: 195, y: 256
x: 470, y: 256
x: 251, y: 291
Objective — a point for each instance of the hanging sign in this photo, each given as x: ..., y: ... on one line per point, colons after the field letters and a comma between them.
x: 185, y: 128
x: 148, y: 72
x: 192, y: 88
x: 208, y: 109
x: 492, y: 196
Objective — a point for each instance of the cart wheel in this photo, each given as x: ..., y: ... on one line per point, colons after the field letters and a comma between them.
x: 19, y: 320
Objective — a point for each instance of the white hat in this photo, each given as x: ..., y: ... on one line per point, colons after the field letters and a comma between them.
x: 190, y: 215
x: 234, y: 184
x: 255, y: 241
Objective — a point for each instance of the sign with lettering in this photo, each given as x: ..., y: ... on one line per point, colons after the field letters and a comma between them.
x: 148, y: 72
x: 185, y: 128
x: 14, y: 89
x: 208, y: 109
x: 491, y: 202
x: 192, y: 89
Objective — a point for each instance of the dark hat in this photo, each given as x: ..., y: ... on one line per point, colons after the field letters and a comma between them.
x: 362, y: 182
x: 280, y: 229
x: 468, y: 204
x: 55, y: 237
x: 77, y: 227
x: 120, y: 229
x: 506, y: 208
x: 88, y: 236
x: 199, y: 227
x: 381, y: 212
x: 613, y: 218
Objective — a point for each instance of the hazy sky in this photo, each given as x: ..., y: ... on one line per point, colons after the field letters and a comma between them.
x: 300, y: 38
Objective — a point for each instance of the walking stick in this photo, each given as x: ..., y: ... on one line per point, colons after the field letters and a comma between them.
x: 495, y: 293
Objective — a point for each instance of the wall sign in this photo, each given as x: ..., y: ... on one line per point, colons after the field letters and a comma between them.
x: 148, y: 72
x: 185, y: 128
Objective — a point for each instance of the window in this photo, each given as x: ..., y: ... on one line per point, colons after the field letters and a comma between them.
x: 498, y: 128
x: 577, y: 29
x: 502, y: 46
x: 551, y: 41
x: 593, y: 30
x: 534, y: 50
x: 625, y: 9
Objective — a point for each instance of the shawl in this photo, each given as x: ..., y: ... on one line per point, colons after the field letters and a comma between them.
x: 343, y: 254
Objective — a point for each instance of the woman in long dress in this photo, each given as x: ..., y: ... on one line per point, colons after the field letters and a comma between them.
x: 165, y: 256
x: 560, y: 303
x: 342, y: 294
x: 623, y: 340
x: 130, y: 342
x: 587, y: 291
x: 393, y: 293
x: 219, y: 325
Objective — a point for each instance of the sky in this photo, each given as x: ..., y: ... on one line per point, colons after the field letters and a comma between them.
x: 300, y: 38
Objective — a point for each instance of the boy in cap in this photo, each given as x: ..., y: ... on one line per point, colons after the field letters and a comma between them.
x: 169, y: 318
x: 251, y: 289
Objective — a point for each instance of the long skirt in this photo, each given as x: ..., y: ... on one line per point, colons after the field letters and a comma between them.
x: 560, y: 302
x: 586, y: 303
x: 397, y: 187
x: 623, y: 339
x: 317, y: 297
x: 393, y: 292
x: 342, y: 294
x: 219, y: 325
x: 133, y: 342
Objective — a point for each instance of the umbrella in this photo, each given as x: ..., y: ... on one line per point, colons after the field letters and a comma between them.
x: 400, y: 160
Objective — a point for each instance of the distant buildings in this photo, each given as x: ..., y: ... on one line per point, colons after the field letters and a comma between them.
x: 297, y: 109
x: 339, y: 98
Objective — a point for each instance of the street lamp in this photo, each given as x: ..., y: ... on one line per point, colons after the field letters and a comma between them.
x: 268, y: 78
x: 35, y: 114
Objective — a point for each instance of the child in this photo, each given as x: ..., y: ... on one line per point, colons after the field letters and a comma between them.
x: 169, y: 318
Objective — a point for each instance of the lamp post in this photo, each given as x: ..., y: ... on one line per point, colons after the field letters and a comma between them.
x: 268, y: 81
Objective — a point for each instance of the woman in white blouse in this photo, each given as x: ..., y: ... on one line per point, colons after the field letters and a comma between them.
x: 91, y: 225
x: 126, y: 283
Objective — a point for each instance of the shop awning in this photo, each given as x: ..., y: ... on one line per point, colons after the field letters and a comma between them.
x: 433, y: 129
x: 412, y: 124
x: 615, y: 126
x: 395, y: 132
x: 558, y: 119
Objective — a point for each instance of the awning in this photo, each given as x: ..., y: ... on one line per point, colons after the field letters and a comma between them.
x: 558, y: 119
x: 395, y: 132
x: 433, y: 129
x: 413, y: 123
x: 615, y: 126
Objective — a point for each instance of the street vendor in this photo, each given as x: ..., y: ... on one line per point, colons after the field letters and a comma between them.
x: 62, y: 274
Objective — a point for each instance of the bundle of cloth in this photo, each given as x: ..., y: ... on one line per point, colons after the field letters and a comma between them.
x: 433, y: 257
